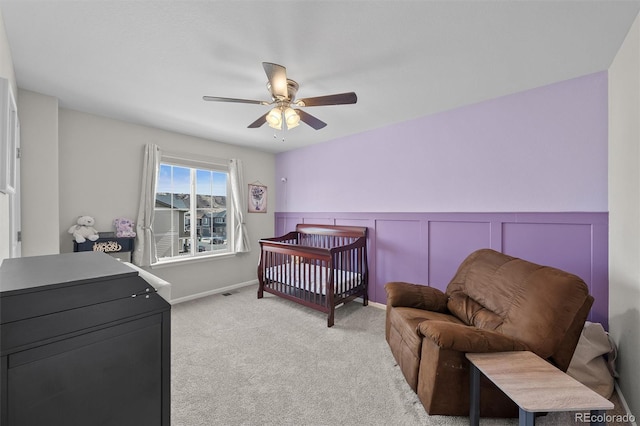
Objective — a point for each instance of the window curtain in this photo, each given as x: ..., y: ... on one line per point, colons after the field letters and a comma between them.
x: 239, y: 200
x: 145, y: 248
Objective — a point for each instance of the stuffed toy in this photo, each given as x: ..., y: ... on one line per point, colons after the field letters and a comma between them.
x: 124, y: 228
x: 84, y: 230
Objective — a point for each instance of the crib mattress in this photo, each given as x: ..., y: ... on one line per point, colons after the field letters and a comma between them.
x: 312, y: 278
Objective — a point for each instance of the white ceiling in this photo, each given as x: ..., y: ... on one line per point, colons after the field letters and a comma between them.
x: 150, y: 62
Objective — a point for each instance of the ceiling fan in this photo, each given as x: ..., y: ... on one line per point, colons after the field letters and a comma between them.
x: 286, y: 109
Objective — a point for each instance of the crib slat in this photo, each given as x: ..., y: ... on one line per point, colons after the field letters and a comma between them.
x: 319, y: 280
x: 339, y: 281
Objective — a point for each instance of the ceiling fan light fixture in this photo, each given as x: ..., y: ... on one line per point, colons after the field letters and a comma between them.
x: 285, y: 108
x: 274, y: 118
x: 291, y: 118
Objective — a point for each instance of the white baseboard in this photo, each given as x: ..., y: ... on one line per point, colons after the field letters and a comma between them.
x: 245, y: 284
x: 624, y: 404
x: 212, y: 292
x: 359, y: 300
x: 377, y: 305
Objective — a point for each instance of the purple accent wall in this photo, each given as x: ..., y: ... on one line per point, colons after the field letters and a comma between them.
x: 426, y: 248
x: 542, y: 150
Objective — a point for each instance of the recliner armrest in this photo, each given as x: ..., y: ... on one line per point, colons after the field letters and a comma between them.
x: 416, y: 296
x: 464, y: 338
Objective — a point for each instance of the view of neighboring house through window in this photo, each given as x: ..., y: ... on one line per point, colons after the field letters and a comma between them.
x: 191, y: 211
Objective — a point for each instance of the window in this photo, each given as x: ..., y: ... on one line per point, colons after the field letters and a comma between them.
x: 191, y: 209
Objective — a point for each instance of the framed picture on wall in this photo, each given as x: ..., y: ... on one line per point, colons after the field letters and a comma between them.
x: 257, y: 198
x: 10, y: 132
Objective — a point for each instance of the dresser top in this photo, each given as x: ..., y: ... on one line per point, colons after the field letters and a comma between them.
x: 30, y: 274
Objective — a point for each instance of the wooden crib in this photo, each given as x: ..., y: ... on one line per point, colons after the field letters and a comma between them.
x: 318, y: 266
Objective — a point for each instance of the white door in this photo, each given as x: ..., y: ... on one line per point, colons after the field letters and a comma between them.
x: 15, y: 230
x: 10, y: 163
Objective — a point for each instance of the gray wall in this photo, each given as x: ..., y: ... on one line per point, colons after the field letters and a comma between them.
x: 624, y: 213
x: 39, y: 173
x: 100, y: 174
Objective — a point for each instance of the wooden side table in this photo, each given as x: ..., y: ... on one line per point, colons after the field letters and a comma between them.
x: 534, y: 385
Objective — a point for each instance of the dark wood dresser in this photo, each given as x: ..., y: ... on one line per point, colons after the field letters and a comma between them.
x: 84, y: 341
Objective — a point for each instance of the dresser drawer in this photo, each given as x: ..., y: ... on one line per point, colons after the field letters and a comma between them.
x: 28, y: 305
x: 20, y: 335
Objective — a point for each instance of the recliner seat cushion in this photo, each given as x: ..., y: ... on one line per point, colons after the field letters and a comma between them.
x: 464, y: 338
x: 406, y: 342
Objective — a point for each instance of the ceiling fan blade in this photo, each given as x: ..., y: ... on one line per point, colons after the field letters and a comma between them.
x: 277, y: 75
x: 338, y: 99
x: 241, y: 101
x: 259, y: 122
x: 311, y: 120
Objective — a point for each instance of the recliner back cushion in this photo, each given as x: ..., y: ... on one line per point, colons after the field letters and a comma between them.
x: 532, y: 303
x: 472, y: 313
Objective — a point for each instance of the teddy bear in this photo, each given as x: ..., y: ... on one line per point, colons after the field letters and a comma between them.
x: 124, y: 228
x: 84, y: 230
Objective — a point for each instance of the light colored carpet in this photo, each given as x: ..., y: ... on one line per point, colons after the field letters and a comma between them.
x: 239, y: 360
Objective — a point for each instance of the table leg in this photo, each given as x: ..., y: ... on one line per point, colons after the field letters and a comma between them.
x: 474, y: 396
x: 527, y: 418
x: 597, y: 418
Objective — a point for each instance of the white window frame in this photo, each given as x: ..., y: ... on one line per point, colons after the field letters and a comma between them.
x: 209, y: 164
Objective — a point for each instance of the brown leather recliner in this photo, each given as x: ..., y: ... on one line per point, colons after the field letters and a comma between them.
x: 494, y: 303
